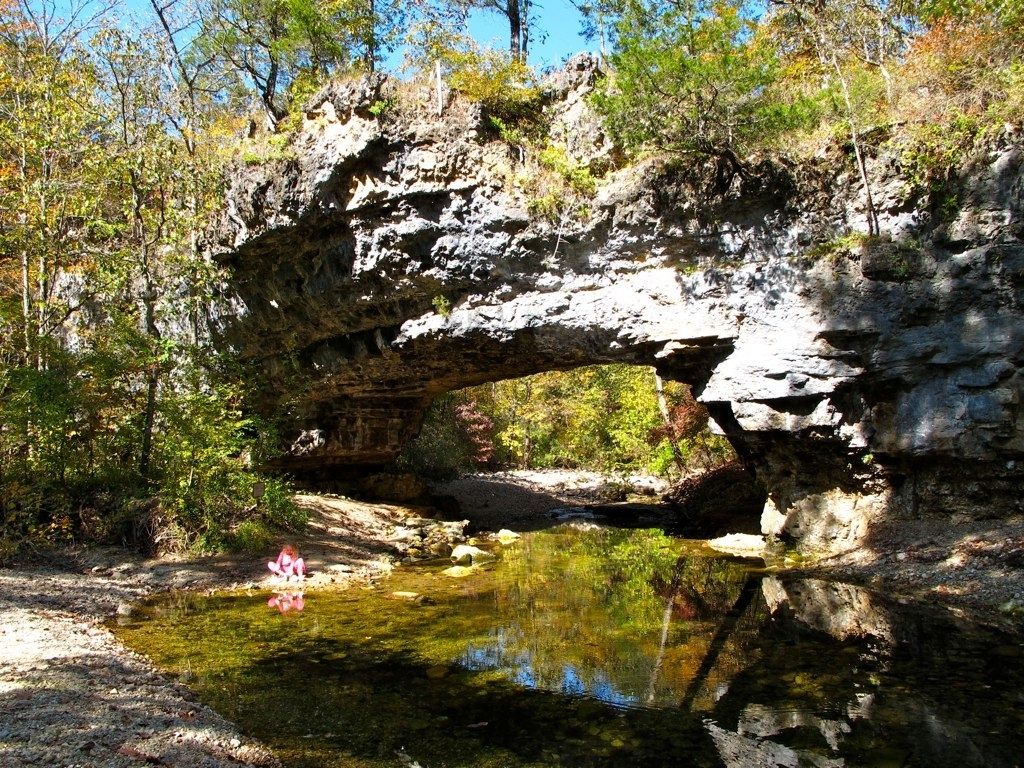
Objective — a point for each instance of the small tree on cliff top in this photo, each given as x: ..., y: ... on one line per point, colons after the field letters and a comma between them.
x: 694, y: 78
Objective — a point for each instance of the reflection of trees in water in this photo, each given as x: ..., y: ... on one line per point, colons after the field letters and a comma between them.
x: 733, y: 674
x: 624, y: 615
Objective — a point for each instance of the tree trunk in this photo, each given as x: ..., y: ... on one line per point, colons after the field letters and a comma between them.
x: 666, y: 622
x: 26, y: 305
x: 524, y: 27
x: 857, y: 149
x: 371, y: 38
x: 26, y: 275
x: 515, y: 30
x: 152, y: 331
x: 666, y: 417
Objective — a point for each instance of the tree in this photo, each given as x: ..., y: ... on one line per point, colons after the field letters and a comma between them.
x: 50, y: 160
x: 143, y: 163
x: 203, y: 121
x: 694, y: 78
x: 269, y: 45
x: 114, y: 420
x: 517, y: 13
x: 843, y: 36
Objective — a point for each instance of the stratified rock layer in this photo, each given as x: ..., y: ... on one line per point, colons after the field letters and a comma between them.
x: 860, y: 378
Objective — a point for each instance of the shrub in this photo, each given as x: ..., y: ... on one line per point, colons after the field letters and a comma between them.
x: 251, y: 537
x: 505, y: 87
x: 577, y: 177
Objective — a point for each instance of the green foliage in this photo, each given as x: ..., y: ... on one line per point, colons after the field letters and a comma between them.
x: 931, y: 153
x: 578, y: 177
x: 273, y: 46
x: 834, y: 249
x: 117, y: 422
x: 442, y: 306
x: 305, y: 83
x: 68, y: 459
x: 695, y: 78
x: 382, y: 107
x: 512, y: 135
x: 962, y: 83
x: 206, y: 453
x: 549, y: 206
x: 1007, y: 12
x: 269, y: 148
x: 252, y: 537
x: 726, y: 79
x: 502, y: 84
x: 602, y: 418
x: 441, y: 450
x: 557, y: 188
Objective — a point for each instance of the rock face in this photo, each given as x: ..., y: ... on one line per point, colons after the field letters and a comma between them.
x: 393, y: 257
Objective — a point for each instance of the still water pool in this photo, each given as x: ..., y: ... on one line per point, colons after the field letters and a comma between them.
x: 588, y: 646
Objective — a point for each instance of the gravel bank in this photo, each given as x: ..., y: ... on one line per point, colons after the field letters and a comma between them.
x: 973, y: 568
x: 72, y: 696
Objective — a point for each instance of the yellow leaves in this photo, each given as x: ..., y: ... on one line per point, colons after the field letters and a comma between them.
x: 492, y: 78
x: 957, y: 67
x: 12, y: 22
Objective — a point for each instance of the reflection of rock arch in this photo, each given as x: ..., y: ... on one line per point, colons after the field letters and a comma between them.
x: 859, y: 380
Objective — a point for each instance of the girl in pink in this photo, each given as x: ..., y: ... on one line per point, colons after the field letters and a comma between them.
x: 289, y: 565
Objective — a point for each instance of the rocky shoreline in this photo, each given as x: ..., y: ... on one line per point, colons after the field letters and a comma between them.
x: 974, y: 569
x: 72, y: 695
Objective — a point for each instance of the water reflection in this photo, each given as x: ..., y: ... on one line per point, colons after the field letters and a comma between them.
x: 625, y: 617
x: 590, y: 646
x: 286, y: 602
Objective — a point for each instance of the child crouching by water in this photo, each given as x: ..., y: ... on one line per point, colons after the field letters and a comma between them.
x: 289, y: 565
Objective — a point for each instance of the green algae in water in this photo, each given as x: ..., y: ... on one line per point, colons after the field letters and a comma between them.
x: 580, y: 647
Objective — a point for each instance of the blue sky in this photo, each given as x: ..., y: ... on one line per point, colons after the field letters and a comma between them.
x: 559, y: 17
x: 557, y: 36
x: 555, y: 39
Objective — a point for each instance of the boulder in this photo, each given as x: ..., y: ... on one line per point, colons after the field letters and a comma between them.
x: 465, y: 554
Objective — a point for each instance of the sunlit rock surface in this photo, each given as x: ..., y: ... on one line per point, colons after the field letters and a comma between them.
x: 861, y: 380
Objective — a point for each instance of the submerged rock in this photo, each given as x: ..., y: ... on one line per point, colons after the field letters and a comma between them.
x: 505, y: 536
x: 740, y: 544
x: 572, y: 513
x: 465, y: 554
x: 458, y: 571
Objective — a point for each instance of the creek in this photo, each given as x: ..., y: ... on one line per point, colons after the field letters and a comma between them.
x: 593, y: 646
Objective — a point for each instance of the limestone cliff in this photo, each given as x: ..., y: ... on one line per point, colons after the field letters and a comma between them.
x: 859, y: 378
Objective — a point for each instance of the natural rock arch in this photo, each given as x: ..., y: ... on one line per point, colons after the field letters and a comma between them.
x: 861, y: 380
